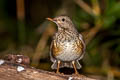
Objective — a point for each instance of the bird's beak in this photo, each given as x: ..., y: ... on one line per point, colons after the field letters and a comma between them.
x: 50, y: 19
x: 53, y: 20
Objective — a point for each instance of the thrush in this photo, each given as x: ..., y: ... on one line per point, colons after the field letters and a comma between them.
x: 68, y: 46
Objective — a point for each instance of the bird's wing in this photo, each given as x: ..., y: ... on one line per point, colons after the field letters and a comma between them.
x: 54, y: 50
x: 51, y: 52
x: 84, y: 46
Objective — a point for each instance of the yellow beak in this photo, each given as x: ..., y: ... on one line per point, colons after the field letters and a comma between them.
x: 50, y: 19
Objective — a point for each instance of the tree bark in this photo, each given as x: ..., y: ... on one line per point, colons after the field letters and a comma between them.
x: 10, y: 71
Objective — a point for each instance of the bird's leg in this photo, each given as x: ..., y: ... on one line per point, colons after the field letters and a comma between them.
x: 74, y: 66
x: 58, y: 66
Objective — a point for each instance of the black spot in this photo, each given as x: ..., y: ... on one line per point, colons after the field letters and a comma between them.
x: 63, y: 19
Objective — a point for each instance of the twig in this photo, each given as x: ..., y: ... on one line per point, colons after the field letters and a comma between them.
x: 96, y: 7
x: 88, y: 35
x: 42, y: 44
x: 84, y: 6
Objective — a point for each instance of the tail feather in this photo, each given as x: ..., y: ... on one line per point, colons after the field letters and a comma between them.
x: 78, y: 65
x: 54, y: 65
x: 66, y: 64
x: 69, y: 65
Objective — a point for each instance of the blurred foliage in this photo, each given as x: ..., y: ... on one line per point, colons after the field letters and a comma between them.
x: 103, y: 51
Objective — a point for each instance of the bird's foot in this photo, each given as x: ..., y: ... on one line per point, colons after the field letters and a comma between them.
x: 60, y: 73
x: 76, y: 74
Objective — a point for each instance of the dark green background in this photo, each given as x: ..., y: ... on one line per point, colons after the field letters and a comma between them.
x: 22, y: 36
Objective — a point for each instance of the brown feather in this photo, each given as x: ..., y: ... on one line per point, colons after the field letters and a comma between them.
x: 56, y: 49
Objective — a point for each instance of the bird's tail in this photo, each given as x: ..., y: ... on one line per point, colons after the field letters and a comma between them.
x: 66, y: 64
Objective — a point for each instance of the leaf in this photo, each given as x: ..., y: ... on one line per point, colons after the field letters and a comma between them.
x: 117, y: 49
x: 109, y: 21
x: 114, y: 10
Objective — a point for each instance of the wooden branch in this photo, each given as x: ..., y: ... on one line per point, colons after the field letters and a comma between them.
x: 14, y: 71
x: 84, y: 6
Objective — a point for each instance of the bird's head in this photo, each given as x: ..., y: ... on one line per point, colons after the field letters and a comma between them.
x: 63, y: 22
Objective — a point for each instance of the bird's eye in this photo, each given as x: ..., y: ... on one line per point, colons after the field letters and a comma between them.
x: 63, y: 19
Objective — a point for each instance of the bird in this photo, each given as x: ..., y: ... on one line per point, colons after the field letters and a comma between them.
x: 67, y: 46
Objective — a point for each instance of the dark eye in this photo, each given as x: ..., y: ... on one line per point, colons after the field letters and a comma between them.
x: 63, y: 19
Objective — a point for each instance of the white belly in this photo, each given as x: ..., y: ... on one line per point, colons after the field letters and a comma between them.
x: 68, y: 53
